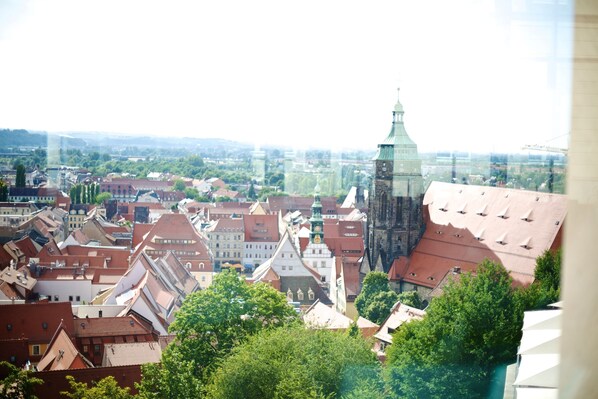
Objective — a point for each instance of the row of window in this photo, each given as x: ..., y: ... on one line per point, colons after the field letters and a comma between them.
x: 227, y: 254
x: 228, y: 246
x: 169, y: 241
x: 77, y: 298
x: 250, y: 246
x: 227, y: 237
x: 300, y: 295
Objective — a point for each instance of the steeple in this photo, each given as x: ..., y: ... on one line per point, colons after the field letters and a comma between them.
x: 397, y: 114
x: 395, y: 221
x: 317, y: 223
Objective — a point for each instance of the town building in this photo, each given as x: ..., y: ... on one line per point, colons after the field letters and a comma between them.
x: 261, y: 236
x: 399, y: 315
x: 395, y: 218
x: 466, y: 224
x: 28, y: 328
x: 226, y: 240
x: 286, y: 271
x: 174, y: 233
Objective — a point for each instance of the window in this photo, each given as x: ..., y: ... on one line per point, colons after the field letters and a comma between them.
x: 310, y: 294
x: 323, y: 264
x: 56, y: 298
x: 96, y: 349
x: 78, y: 298
x: 299, y: 295
x: 35, y: 350
x: 85, y: 348
x: 70, y: 298
x: 203, y: 279
x: 290, y: 295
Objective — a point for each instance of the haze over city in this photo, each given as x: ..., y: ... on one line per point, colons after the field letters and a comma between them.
x: 268, y: 72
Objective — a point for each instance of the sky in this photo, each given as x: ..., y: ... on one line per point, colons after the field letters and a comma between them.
x: 301, y: 73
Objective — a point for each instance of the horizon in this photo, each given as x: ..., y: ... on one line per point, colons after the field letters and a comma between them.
x: 473, y: 77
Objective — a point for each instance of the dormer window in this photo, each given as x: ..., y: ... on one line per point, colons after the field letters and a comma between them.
x: 310, y: 294
x: 290, y: 295
x: 299, y: 295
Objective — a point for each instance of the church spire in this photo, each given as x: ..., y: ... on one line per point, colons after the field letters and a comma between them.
x: 397, y: 114
x: 316, y: 221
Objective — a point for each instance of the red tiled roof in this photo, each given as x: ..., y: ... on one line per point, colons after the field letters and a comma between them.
x: 175, y: 226
x: 109, y: 327
x: 5, y: 258
x: 139, y: 231
x: 261, y: 228
x: 28, y: 320
x: 227, y: 225
x: 292, y: 203
x: 62, y: 354
x: 469, y: 223
x: 26, y: 245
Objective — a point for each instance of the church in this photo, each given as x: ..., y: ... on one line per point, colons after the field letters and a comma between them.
x: 423, y: 236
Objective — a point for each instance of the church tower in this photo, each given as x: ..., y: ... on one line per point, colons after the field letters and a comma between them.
x: 395, y: 218
x: 316, y: 234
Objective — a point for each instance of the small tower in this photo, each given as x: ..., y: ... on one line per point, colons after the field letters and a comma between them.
x: 316, y: 234
x: 395, y: 219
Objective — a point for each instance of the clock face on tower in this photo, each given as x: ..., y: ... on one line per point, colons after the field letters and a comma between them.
x: 317, y: 228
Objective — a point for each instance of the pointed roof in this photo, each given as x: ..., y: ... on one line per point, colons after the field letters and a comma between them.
x: 62, y: 354
x: 397, y: 138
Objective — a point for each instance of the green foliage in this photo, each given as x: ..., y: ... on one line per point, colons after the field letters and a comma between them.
x: 470, y: 329
x: 18, y: 383
x: 3, y: 191
x: 379, y: 306
x: 546, y: 287
x: 548, y: 270
x: 373, y: 283
x: 106, y: 388
x: 20, y: 179
x: 175, y: 377
x: 251, y: 194
x: 102, y: 197
x: 209, y: 324
x: 294, y: 362
x: 411, y: 298
x: 191, y: 192
x: 179, y: 185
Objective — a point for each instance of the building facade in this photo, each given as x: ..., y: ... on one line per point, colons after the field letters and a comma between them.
x: 395, y: 219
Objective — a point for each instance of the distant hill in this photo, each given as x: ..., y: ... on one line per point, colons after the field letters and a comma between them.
x: 23, y: 138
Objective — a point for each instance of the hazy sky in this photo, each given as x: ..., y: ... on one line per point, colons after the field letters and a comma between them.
x: 293, y: 72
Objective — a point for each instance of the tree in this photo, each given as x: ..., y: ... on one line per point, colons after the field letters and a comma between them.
x: 546, y: 286
x: 191, y: 192
x: 20, y: 179
x: 3, y: 191
x: 379, y: 306
x: 213, y: 321
x: 106, y: 388
x: 294, y: 362
x: 411, y: 298
x: 179, y: 185
x: 548, y: 270
x: 373, y: 283
x: 251, y: 192
x: 18, y: 383
x: 103, y: 197
x: 471, y: 328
